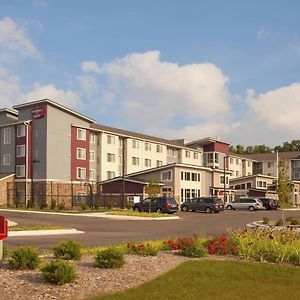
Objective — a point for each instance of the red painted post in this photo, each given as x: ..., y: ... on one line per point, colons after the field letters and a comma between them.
x: 3, y: 233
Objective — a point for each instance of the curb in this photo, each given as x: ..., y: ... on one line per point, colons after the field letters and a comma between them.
x: 43, y: 232
x: 96, y: 215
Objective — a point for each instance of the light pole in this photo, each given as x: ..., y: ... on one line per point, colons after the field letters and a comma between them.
x: 224, y: 166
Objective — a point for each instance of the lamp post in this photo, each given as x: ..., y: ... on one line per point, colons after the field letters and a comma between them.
x: 224, y: 166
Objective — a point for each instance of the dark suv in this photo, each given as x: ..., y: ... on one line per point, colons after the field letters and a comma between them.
x: 207, y: 204
x: 157, y: 204
x: 269, y: 203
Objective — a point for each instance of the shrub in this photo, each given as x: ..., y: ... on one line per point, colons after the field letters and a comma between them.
x: 42, y: 204
x: 17, y: 202
x: 279, y: 223
x: 53, y: 204
x: 61, y: 205
x: 59, y: 272
x: 109, y: 204
x: 109, y: 258
x: 295, y: 222
x: 83, y: 206
x: 97, y: 204
x: 143, y: 249
x: 24, y: 258
x: 5, y: 252
x: 69, y: 250
x: 222, y: 245
x: 266, y: 220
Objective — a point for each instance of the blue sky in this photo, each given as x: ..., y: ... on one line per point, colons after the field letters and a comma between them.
x: 170, y: 68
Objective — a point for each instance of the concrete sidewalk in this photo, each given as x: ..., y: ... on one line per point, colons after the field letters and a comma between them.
x: 44, y: 232
x: 95, y: 215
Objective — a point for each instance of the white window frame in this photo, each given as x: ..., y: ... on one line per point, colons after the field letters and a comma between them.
x: 196, y: 155
x: 21, y: 130
x: 135, y: 144
x: 147, y: 162
x: 7, y: 136
x: 298, y: 175
x: 111, y: 139
x: 92, y: 155
x: 6, y: 156
x: 187, y: 154
x: 159, y: 148
x: 79, y: 171
x: 135, y: 161
x: 82, y: 151
x: 111, y: 157
x: 81, y: 134
x: 110, y: 174
x: 18, y: 172
x: 92, y: 178
x: 147, y: 146
x: 159, y: 163
x: 92, y: 138
x: 22, y: 152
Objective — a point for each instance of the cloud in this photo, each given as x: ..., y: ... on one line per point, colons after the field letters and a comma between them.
x: 67, y: 97
x: 263, y: 34
x: 40, y: 3
x: 89, y: 85
x: 9, y: 87
x: 13, y: 38
x: 141, y: 84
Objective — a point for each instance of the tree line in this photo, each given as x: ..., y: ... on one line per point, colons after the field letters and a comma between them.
x: 294, y: 145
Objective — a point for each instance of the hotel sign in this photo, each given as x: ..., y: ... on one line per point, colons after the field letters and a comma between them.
x: 38, y: 112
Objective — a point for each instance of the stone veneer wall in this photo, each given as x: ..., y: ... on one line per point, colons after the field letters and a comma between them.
x: 3, y: 190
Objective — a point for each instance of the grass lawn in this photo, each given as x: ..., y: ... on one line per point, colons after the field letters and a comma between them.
x: 138, y: 214
x: 219, y: 280
x: 35, y: 227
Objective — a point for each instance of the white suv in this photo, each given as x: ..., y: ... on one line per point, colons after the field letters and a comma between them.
x: 246, y: 203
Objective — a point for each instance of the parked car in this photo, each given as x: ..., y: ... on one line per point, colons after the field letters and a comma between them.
x: 157, y: 204
x: 269, y: 203
x: 207, y: 204
x: 246, y: 203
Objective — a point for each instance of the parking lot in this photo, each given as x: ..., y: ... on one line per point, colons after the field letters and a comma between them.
x: 103, y: 231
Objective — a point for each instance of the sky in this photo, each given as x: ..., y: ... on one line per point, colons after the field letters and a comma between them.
x: 173, y: 69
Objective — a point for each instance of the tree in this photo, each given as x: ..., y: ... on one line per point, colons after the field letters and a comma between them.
x: 294, y: 145
x: 152, y: 189
x: 239, y: 149
x: 283, y: 186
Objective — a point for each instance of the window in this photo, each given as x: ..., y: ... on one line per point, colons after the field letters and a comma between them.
x: 187, y: 176
x: 158, y: 163
x: 182, y: 175
x: 169, y: 151
x: 264, y: 184
x: 135, y: 161
x: 297, y: 175
x: 237, y: 161
x: 159, y: 148
x: 222, y: 179
x: 243, y: 186
x: 20, y: 150
x: 92, y: 175
x: 92, y: 155
x: 194, y: 176
x: 7, y: 135
x: 92, y: 138
x: 111, y: 139
x: 81, y: 153
x: 187, y: 154
x: 296, y: 163
x: 20, y: 170
x: 147, y: 162
x: 199, y: 179
x: 81, y: 134
x: 166, y: 176
x: 249, y: 185
x: 110, y: 174
x: 147, y: 146
x: 6, y: 159
x: 81, y: 173
x: 196, y: 155
x: 135, y: 144
x: 259, y: 183
x: 216, y: 158
x: 237, y: 173
x: 20, y: 130
x: 231, y: 160
x: 110, y: 157
x: 210, y: 158
x: 249, y: 164
x: 174, y: 153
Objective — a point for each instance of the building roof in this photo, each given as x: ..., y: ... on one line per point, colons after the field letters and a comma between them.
x: 127, y: 133
x: 232, y: 154
x: 57, y: 105
x: 251, y: 176
x: 271, y: 156
x: 10, y: 111
x: 137, y: 180
x: 5, y: 175
x: 208, y: 140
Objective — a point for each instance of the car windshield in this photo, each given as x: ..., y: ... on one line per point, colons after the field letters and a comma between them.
x: 171, y: 201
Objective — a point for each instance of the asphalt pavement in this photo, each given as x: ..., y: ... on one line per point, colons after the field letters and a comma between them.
x: 104, y: 231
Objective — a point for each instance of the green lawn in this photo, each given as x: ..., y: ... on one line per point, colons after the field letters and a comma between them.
x: 219, y: 280
x: 138, y: 214
x: 35, y: 227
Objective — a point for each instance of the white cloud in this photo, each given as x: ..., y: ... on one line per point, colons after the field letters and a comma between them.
x: 263, y: 34
x: 9, y: 88
x: 89, y: 85
x: 150, y: 92
x: 40, y: 3
x: 14, y: 38
x: 66, y: 97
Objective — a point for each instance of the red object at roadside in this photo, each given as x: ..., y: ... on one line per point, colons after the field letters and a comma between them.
x: 3, y: 228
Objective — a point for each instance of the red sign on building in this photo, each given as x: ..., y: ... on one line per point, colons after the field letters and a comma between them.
x: 38, y: 112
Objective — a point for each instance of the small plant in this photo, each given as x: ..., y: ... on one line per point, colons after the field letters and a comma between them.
x: 52, y: 204
x: 97, y: 204
x: 61, y: 205
x: 109, y: 204
x: 59, y: 272
x: 292, y: 220
x: 110, y: 258
x: 83, y: 206
x: 143, y: 249
x: 5, y: 252
x: 68, y: 250
x: 129, y: 205
x: 221, y: 245
x: 266, y: 220
x: 279, y: 223
x: 42, y: 204
x: 24, y: 258
x: 17, y: 202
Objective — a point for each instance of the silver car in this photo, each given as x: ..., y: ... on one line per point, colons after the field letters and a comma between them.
x: 246, y: 203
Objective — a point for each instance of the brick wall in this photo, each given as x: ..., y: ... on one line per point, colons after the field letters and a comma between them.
x: 3, y: 189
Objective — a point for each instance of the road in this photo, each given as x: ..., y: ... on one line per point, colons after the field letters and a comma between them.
x: 104, y: 231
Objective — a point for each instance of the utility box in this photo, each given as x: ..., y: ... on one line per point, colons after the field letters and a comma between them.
x: 3, y: 233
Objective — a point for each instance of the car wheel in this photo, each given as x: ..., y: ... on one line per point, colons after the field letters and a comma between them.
x: 251, y: 208
x: 208, y: 210
x: 229, y: 207
x: 159, y: 210
x: 137, y: 209
x: 184, y: 208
